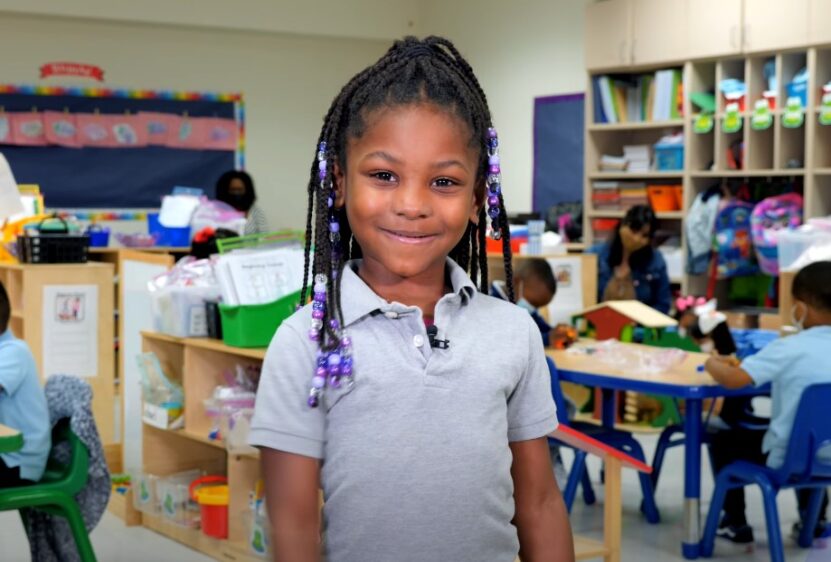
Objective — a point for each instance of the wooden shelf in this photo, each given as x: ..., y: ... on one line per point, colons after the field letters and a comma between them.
x: 636, y: 175
x: 822, y: 171
x: 17, y: 314
x: 192, y: 538
x: 636, y: 126
x: 665, y: 215
x: 588, y: 549
x: 158, y: 336
x: 748, y: 173
x: 217, y: 345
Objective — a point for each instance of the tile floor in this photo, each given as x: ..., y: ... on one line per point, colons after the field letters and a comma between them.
x: 641, y: 542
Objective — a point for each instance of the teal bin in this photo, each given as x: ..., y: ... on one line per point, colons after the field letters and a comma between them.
x: 254, y: 325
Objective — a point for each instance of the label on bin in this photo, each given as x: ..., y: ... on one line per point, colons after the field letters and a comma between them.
x: 155, y: 416
x: 198, y: 322
x: 762, y: 117
x: 825, y: 110
x: 794, y: 115
x: 703, y: 123
x: 732, y: 119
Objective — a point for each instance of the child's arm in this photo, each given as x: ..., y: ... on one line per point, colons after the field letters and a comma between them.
x: 727, y: 372
x: 292, y: 501
x: 541, y: 518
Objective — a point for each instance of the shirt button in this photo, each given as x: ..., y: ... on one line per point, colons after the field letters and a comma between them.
x: 418, y: 340
x: 391, y: 314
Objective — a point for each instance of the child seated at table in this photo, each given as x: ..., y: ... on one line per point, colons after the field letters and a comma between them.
x: 790, y: 364
x: 22, y: 406
x: 535, y: 286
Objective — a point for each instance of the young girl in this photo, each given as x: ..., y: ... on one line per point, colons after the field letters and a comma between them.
x: 418, y: 404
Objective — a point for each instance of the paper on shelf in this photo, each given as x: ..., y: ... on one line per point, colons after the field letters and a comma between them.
x: 70, y: 330
x: 177, y: 210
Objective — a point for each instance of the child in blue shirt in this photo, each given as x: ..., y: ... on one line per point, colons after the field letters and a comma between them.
x: 22, y: 406
x: 536, y: 287
x: 790, y: 364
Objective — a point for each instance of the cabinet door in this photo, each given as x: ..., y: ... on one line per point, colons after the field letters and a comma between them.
x: 607, y: 34
x: 820, y: 16
x: 659, y: 31
x: 771, y: 25
x: 714, y: 27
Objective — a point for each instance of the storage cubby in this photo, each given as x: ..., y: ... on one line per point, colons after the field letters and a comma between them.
x: 820, y: 204
x: 759, y: 149
x: 757, y: 79
x: 200, y: 365
x: 789, y: 65
x: 822, y: 71
x: 822, y: 146
x: 702, y: 151
x: 612, y: 141
x: 725, y: 69
x: 726, y: 141
x: 791, y: 154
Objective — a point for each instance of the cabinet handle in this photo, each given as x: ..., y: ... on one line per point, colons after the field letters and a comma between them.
x: 733, y: 29
x: 746, y: 36
x: 632, y: 52
x: 621, y: 52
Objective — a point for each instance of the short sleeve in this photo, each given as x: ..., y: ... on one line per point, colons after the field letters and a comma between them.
x: 531, y: 409
x: 12, y: 369
x: 282, y: 419
x: 766, y: 365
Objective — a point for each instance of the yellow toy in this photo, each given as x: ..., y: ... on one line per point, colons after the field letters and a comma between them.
x: 9, y: 233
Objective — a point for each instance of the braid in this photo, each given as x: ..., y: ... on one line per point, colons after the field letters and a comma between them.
x: 410, y: 72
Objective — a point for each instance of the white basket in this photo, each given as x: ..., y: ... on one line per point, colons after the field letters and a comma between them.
x: 792, y: 243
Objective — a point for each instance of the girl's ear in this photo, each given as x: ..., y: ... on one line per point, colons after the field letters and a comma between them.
x: 339, y: 183
x: 477, y: 201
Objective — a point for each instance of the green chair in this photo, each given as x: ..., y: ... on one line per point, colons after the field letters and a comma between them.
x: 55, y: 493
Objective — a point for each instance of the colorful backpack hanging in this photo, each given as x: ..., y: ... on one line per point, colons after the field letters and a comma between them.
x: 733, y: 243
x: 782, y: 212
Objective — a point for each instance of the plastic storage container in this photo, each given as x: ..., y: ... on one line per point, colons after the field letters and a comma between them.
x: 174, y: 498
x: 144, y: 492
x: 99, y: 236
x: 211, y: 493
x: 792, y: 243
x: 168, y: 237
x: 669, y: 157
x: 663, y: 198
x: 258, y: 534
x: 254, y: 325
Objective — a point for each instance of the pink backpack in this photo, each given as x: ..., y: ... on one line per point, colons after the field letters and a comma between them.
x: 782, y: 212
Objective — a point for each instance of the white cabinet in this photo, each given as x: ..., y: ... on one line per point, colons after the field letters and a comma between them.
x: 714, y: 28
x: 771, y: 25
x: 608, y: 33
x: 658, y: 31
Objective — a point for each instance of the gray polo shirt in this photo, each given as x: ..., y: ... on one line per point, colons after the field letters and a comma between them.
x: 415, y: 457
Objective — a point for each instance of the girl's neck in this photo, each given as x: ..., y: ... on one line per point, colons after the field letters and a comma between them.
x: 624, y: 257
x: 422, y: 290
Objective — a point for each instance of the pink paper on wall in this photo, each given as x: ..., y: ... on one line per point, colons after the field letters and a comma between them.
x: 128, y: 131
x: 205, y: 133
x: 61, y: 129
x: 5, y: 129
x: 27, y: 129
x: 159, y: 126
x: 94, y: 130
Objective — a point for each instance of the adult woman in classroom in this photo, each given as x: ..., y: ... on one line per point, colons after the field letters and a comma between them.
x: 629, y: 267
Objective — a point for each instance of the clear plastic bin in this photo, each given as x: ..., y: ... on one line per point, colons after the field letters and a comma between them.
x: 257, y: 534
x: 792, y: 243
x: 145, y: 497
x: 175, y: 503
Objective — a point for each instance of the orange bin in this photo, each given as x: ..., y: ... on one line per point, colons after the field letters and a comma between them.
x: 663, y: 198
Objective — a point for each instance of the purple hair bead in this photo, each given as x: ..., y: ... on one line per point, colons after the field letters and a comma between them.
x: 318, y: 382
x: 491, y: 133
x: 317, y: 314
x: 346, y: 370
x: 312, y: 401
x: 493, y: 200
x: 334, y: 382
x: 334, y: 359
x: 334, y: 324
x: 322, y: 165
x: 322, y: 175
x: 494, y: 169
x: 314, y: 335
x: 493, y: 160
x: 346, y: 341
x: 334, y: 226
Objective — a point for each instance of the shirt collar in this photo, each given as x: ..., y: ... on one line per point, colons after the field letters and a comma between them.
x: 6, y: 336
x: 359, y: 300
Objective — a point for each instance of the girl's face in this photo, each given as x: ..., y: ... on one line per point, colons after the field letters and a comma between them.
x: 632, y: 239
x: 409, y: 189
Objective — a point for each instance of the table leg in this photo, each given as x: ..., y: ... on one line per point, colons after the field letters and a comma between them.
x: 609, y: 410
x: 692, y: 479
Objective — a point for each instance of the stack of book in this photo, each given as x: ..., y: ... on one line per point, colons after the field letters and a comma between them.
x: 609, y: 195
x: 638, y: 157
x: 609, y: 163
x: 633, y: 195
x: 636, y: 98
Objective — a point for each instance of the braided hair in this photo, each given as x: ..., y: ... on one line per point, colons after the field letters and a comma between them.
x: 412, y: 71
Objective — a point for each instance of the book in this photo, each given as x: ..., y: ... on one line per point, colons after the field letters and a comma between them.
x: 606, y: 97
x: 597, y: 102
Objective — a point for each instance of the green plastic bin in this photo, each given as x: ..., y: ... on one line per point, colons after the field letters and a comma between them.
x: 254, y: 325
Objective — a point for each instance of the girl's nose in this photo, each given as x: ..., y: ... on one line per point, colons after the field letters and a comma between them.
x: 411, y: 201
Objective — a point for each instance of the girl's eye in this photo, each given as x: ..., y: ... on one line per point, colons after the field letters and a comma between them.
x: 383, y: 176
x: 445, y: 183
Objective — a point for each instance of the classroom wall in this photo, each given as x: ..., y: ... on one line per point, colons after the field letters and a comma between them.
x: 519, y: 50
x: 288, y: 82
x: 362, y: 19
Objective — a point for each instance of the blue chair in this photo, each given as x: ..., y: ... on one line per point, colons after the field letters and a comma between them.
x: 620, y: 440
x: 803, y: 468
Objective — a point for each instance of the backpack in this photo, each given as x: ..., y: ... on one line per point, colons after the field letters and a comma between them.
x: 782, y: 212
x: 566, y: 219
x: 733, y: 241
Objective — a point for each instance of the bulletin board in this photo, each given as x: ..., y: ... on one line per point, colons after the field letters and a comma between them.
x: 90, y: 176
x: 558, y: 150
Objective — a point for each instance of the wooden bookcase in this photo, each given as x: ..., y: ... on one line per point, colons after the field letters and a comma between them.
x: 769, y: 154
x: 25, y: 284
x: 198, y: 364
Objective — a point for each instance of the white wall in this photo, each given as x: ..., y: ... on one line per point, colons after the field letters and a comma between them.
x: 288, y: 82
x: 363, y: 19
x: 519, y: 51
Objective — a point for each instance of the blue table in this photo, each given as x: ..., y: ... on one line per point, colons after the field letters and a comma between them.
x: 686, y: 382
